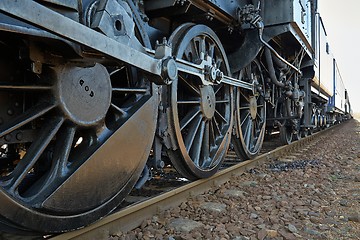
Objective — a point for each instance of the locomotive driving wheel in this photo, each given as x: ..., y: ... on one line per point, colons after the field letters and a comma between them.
x: 250, y: 113
x: 74, y: 140
x: 298, y: 131
x: 201, y: 113
x: 286, y: 134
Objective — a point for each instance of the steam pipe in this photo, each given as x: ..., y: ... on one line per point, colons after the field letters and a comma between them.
x: 260, y: 26
x: 279, y: 63
x: 271, y: 69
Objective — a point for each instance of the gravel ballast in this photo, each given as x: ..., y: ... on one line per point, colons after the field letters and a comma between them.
x: 315, y: 195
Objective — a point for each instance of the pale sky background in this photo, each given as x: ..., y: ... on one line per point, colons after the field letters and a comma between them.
x: 342, y: 23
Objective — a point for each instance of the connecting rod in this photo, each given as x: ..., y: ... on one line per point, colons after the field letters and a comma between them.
x: 164, y: 68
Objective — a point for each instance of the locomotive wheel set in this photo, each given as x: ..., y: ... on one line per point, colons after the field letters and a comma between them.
x: 90, y: 99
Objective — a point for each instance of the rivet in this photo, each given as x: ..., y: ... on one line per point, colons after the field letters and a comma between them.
x: 8, y: 137
x: 10, y: 112
x: 19, y: 136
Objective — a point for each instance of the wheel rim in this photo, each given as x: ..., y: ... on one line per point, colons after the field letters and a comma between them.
x: 305, y: 132
x: 314, y: 124
x: 298, y: 134
x: 201, y: 115
x: 285, y: 134
x: 250, y: 113
x: 67, y: 155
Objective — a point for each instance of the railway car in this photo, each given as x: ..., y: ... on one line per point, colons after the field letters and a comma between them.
x: 94, y: 93
x: 328, y: 89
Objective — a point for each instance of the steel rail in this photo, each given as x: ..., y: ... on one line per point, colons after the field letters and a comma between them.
x: 131, y: 217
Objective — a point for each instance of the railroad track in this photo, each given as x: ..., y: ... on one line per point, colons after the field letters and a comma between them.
x: 168, y: 189
x: 131, y: 216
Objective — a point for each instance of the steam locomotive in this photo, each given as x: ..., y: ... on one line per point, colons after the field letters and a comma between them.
x: 94, y: 93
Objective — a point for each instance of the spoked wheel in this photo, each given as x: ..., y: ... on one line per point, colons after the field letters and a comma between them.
x: 310, y: 131
x: 286, y: 134
x: 250, y: 113
x: 314, y: 123
x: 201, y: 114
x: 74, y: 140
x: 297, y: 136
x: 304, y: 133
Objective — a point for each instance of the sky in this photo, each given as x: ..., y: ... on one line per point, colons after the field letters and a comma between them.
x: 342, y: 24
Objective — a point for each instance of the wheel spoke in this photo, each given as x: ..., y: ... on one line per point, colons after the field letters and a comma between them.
x: 245, y: 118
x: 34, y: 152
x: 189, y: 85
x: 195, y: 51
x: 223, y: 101
x: 257, y: 126
x: 12, y: 86
x: 246, y: 98
x: 59, y: 169
x: 121, y: 111
x: 253, y: 134
x: 26, y: 117
x: 258, y: 116
x: 248, y: 133
x: 211, y: 50
x: 117, y: 70
x: 192, y: 133
x: 198, y: 144
x: 221, y: 116
x: 206, y: 144
x: 189, y: 117
x: 219, y: 62
x: 189, y: 102
x: 130, y: 90
x: 217, y: 127
x: 245, y: 128
x: 218, y: 87
x: 212, y: 134
x: 202, y: 46
x: 63, y: 147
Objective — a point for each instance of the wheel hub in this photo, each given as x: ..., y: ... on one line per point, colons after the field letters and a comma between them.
x: 253, y: 107
x: 84, y: 94
x: 208, y: 101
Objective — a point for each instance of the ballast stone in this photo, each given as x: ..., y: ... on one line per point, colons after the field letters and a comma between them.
x: 214, y: 207
x: 185, y: 225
